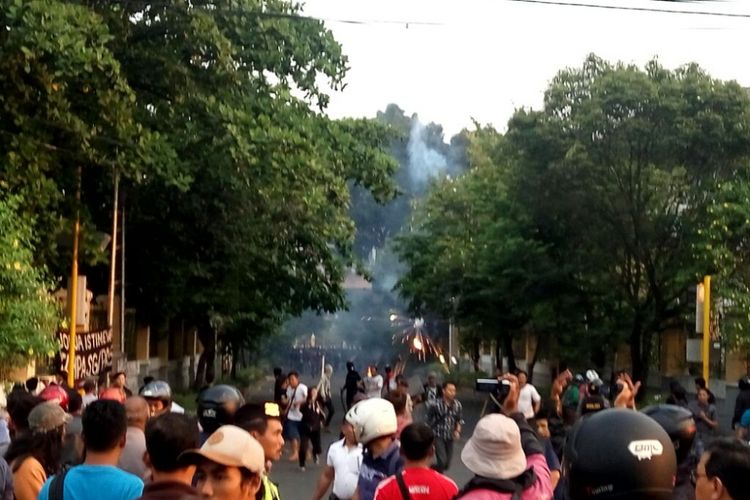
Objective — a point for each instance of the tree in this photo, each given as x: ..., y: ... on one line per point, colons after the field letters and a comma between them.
x: 28, y: 314
x: 261, y: 229
x: 471, y: 255
x: 64, y: 104
x: 627, y: 169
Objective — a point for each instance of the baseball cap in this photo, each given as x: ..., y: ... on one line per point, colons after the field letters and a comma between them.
x: 229, y: 446
x: 47, y: 416
x: 494, y: 450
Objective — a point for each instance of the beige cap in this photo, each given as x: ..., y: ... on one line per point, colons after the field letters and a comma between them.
x: 230, y: 446
x: 47, y: 416
x: 494, y: 450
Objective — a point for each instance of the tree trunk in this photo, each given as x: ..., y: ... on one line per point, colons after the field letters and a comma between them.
x: 498, y: 357
x: 206, y: 371
x: 531, y: 363
x: 639, y: 346
x: 475, y: 354
x: 508, y: 344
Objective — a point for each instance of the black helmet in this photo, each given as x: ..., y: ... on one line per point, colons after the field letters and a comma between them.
x: 217, y: 405
x: 744, y: 383
x: 679, y: 424
x: 619, y: 454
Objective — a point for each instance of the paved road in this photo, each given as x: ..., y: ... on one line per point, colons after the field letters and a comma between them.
x: 297, y: 485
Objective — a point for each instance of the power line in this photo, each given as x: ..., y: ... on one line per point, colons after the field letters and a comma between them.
x: 634, y: 9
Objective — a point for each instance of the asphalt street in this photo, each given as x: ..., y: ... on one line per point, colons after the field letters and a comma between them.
x: 295, y: 484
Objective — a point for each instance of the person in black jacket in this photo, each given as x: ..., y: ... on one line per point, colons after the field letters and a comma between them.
x: 313, y: 417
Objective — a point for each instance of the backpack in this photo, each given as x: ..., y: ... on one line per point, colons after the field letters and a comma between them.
x: 514, y: 486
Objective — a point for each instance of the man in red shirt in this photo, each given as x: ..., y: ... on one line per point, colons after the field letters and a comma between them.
x: 418, y: 481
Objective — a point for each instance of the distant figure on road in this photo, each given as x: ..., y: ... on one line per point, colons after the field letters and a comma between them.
x: 352, y: 385
x: 445, y: 417
x: 296, y: 395
x: 373, y: 383
x: 529, y: 400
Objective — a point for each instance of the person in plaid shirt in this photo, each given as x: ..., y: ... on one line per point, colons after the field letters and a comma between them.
x: 445, y: 417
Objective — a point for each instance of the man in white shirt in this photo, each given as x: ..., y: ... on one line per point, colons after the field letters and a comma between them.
x: 529, y: 399
x: 296, y: 395
x: 342, y: 467
x: 373, y: 383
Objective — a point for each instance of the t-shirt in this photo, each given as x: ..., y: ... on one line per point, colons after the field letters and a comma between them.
x: 298, y: 395
x: 745, y: 420
x: 553, y: 463
x: 375, y: 469
x: 346, y: 462
x: 93, y: 482
x: 28, y: 479
x: 527, y: 397
x: 373, y: 386
x: 88, y: 399
x: 422, y: 483
x: 131, y: 459
x: 704, y: 430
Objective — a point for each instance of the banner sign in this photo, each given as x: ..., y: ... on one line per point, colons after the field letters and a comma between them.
x: 93, y: 352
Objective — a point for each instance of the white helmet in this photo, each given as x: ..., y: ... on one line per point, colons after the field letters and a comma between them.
x: 591, y: 375
x: 371, y: 419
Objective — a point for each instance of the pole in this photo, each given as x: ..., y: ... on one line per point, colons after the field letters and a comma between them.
x: 113, y: 259
x: 73, y: 292
x: 706, y: 323
x: 122, y: 281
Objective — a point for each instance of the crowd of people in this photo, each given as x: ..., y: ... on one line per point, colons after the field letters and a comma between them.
x: 107, y: 442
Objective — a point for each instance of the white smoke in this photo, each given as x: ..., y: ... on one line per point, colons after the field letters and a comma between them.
x: 425, y: 163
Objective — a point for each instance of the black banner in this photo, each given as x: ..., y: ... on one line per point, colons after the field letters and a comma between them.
x: 93, y: 352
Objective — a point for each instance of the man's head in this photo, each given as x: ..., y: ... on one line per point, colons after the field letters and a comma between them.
x: 523, y: 377
x: 398, y: 400
x: 347, y: 430
x: 388, y: 370
x: 75, y: 402
x: 20, y: 405
x: 32, y: 384
x: 373, y: 419
x: 118, y: 379
x: 277, y: 372
x: 542, y: 423
x: 293, y: 379
x: 373, y: 370
x: 723, y: 471
x: 432, y: 379
x: 449, y: 391
x: 230, y: 464
x: 137, y: 410
x: 263, y: 422
x: 417, y: 442
x: 168, y: 437
x: 89, y: 386
x: 349, y: 366
x: 104, y: 426
x: 703, y: 396
x: 700, y: 383
x: 158, y: 395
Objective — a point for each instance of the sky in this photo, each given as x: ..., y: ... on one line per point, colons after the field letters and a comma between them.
x: 464, y: 60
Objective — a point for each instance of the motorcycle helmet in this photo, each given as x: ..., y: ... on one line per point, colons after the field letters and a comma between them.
x: 56, y: 393
x: 217, y: 406
x: 372, y: 418
x: 744, y: 383
x: 158, y: 394
x: 678, y: 422
x: 619, y: 454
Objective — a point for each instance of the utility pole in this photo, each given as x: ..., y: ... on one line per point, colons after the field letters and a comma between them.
x: 706, y: 324
x: 73, y: 292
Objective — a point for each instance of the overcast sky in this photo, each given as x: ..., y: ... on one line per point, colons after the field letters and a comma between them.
x: 482, y: 59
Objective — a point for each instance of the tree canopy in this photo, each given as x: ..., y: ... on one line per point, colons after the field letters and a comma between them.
x: 611, y: 203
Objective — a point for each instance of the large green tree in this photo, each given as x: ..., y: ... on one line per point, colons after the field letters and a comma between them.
x: 28, y: 315
x: 618, y: 196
